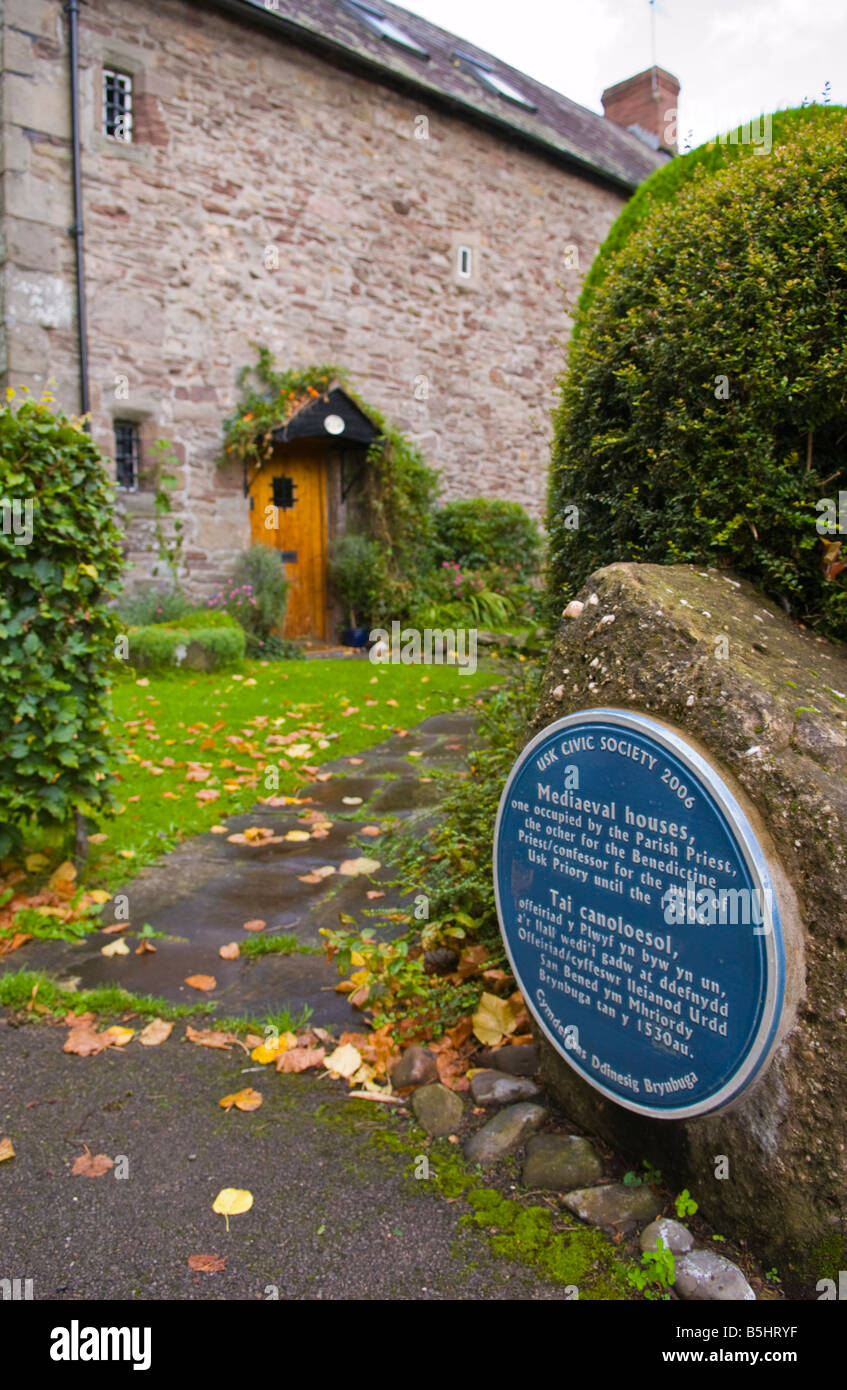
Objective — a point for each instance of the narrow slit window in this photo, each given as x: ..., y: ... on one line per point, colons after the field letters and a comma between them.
x: 117, y: 105
x: 127, y: 454
x: 465, y: 265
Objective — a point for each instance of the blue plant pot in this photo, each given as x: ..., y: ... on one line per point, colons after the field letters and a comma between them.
x: 355, y: 636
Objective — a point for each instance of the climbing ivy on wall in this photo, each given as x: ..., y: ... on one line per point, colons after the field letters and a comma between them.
x: 395, y: 504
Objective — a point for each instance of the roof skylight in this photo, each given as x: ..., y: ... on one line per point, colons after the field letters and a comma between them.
x: 386, y: 28
x: 489, y: 79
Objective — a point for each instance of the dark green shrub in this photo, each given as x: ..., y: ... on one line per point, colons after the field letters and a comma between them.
x: 161, y: 648
x: 278, y: 649
x: 150, y: 606
x: 357, y: 574
x: 57, y: 637
x: 705, y: 403
x: 485, y: 533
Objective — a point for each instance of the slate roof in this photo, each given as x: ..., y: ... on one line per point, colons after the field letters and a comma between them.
x: 569, y: 133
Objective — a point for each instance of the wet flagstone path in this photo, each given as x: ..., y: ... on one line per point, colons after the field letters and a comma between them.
x: 203, y: 892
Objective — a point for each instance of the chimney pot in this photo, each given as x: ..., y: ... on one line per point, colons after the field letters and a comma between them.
x: 647, y: 105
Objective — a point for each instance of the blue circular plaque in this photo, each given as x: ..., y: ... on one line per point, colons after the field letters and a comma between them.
x: 639, y: 914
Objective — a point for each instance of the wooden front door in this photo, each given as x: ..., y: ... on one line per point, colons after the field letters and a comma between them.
x: 289, y: 514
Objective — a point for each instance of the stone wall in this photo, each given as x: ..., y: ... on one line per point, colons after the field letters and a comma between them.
x: 271, y: 197
x: 771, y: 716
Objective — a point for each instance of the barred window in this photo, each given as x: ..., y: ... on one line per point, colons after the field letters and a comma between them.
x: 117, y: 104
x: 127, y: 454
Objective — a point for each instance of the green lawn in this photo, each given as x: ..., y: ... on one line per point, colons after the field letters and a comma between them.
x: 199, y: 747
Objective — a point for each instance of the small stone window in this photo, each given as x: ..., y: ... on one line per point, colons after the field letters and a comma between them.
x: 117, y: 105
x: 127, y: 454
x: 464, y: 264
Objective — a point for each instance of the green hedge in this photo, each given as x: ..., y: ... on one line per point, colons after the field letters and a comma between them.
x: 203, y: 619
x: 57, y: 636
x: 205, y: 649
x: 488, y: 533
x: 704, y: 408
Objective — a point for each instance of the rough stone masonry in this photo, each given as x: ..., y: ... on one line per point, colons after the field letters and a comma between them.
x: 766, y: 702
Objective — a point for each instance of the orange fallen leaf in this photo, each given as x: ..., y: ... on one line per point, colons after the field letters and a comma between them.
x: 6, y: 1149
x: 209, y: 1037
x: 207, y: 1264
x: 115, y: 927
x: 248, y: 1099
x: 204, y: 982
x: 156, y: 1032
x: 229, y: 952
x: 8, y: 944
x: 300, y: 1059
x: 145, y: 946
x: 374, y: 893
x: 90, y: 1165
x: 255, y: 924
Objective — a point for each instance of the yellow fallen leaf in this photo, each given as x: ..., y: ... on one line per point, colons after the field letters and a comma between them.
x: 269, y: 1051
x: 298, y: 835
x: 494, y: 1018
x: 115, y: 948
x: 6, y: 1149
x: 34, y: 863
x: 231, y: 1201
x: 126, y: 853
x: 218, y: 829
x: 344, y: 1061
x: 99, y: 895
x: 156, y: 1032
x: 353, y: 867
x: 118, y: 1037
x: 248, y: 1099
x: 66, y: 873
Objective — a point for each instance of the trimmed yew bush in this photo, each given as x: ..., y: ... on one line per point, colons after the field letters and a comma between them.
x: 60, y: 562
x: 704, y: 410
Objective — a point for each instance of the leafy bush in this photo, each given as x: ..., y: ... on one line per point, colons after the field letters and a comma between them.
x: 357, y: 574
x: 198, y: 649
x: 488, y: 534
x: 705, y: 404
x: 279, y: 649
x: 204, y: 619
x: 260, y: 571
x: 150, y: 606
x: 56, y: 634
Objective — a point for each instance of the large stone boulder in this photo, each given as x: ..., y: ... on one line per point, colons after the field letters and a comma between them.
x: 766, y: 702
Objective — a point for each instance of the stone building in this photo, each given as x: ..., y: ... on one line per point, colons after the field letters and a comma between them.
x: 340, y: 182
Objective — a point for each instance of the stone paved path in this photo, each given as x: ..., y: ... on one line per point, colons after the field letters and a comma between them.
x: 204, y: 891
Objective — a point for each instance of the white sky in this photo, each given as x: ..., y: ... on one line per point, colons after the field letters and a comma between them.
x: 734, y: 58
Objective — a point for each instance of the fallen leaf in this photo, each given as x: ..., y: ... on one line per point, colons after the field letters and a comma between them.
x: 115, y: 927
x: 98, y: 895
x: 218, y: 829
x: 317, y: 875
x: 90, y: 1165
x: 231, y: 1201
x: 116, y: 1036
x: 157, y: 1030
x: 97, y: 839
x: 494, y: 1018
x: 34, y: 863
x: 6, y: 1150
x: 204, y: 982
x: 370, y: 830
x: 352, y: 800
x: 255, y: 924
x: 374, y: 893
x: 248, y: 1099
x: 145, y: 947
x: 269, y: 1049
x: 344, y: 1061
x: 300, y: 1059
x: 230, y: 951
x: 298, y: 835
x: 353, y: 867
x: 207, y: 1264
x: 8, y: 944
x: 115, y: 948
x: 209, y: 1037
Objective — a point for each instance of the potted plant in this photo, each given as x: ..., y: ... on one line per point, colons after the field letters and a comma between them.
x: 357, y: 573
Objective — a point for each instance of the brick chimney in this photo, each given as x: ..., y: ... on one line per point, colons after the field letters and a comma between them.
x: 646, y: 104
